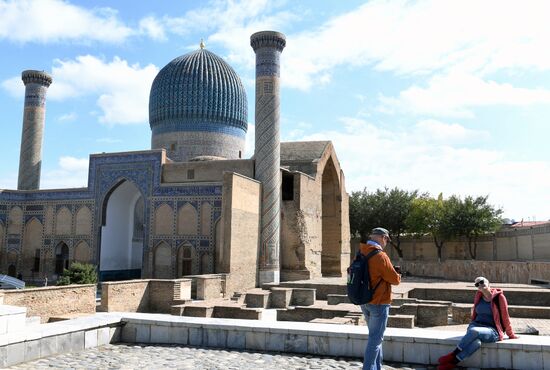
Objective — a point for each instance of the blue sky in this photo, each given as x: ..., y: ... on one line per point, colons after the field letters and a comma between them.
x: 440, y: 96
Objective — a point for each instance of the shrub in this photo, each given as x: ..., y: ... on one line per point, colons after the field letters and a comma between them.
x: 78, y: 273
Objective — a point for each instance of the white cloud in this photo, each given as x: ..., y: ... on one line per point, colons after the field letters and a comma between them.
x: 249, y: 141
x: 456, y: 94
x: 71, y: 172
x: 153, y: 28
x: 374, y: 157
x: 46, y: 21
x: 68, y: 117
x: 122, y: 89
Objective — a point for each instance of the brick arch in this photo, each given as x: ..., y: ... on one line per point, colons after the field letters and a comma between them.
x: 15, y: 220
x: 206, y: 218
x: 83, y: 221
x: 164, y: 219
x: 63, y: 221
x: 82, y: 252
x: 331, y: 208
x: 32, y: 242
x: 185, y: 259
x: 162, y: 261
x: 187, y: 220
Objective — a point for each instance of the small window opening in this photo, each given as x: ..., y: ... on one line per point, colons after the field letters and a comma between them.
x: 288, y: 186
x: 172, y: 147
x: 190, y: 174
x: 240, y: 154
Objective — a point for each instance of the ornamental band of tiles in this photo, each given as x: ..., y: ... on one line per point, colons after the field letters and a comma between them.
x: 268, y: 46
x: 30, y: 160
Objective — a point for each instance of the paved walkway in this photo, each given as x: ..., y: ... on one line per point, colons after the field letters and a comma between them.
x: 131, y: 356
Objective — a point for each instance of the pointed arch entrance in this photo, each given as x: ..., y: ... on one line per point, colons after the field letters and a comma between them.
x: 122, y: 233
x: 331, y: 221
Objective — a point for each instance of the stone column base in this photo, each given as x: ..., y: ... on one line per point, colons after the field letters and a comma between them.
x: 269, y: 276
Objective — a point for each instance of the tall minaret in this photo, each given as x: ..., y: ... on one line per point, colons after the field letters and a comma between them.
x: 268, y: 46
x: 30, y: 158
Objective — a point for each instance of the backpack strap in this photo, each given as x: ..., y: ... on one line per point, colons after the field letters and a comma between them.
x: 372, y: 253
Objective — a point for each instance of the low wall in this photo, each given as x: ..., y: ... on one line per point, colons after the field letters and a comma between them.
x: 52, y: 301
x: 147, y: 295
x: 496, y: 271
x: 516, y: 297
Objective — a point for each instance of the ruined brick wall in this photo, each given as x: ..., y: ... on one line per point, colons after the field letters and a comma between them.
x: 241, y: 222
x: 467, y: 270
x: 125, y: 296
x: 47, y: 302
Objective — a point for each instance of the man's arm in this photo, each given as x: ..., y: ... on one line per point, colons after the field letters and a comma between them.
x: 388, y: 272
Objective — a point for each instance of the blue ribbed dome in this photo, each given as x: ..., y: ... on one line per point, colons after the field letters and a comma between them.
x: 198, y: 92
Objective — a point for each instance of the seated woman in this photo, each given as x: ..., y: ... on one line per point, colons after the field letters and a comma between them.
x: 490, y: 320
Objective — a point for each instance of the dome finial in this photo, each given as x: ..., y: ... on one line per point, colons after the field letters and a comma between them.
x: 202, y: 46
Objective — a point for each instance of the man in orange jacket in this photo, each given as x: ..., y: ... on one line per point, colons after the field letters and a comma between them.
x: 382, y: 276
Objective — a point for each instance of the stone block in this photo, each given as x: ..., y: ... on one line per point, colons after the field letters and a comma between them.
x: 216, y: 338
x: 302, y: 297
x: 195, y: 336
x: 255, y: 340
x: 461, y: 313
x: 280, y: 297
x: 90, y: 339
x: 257, y: 299
x: 436, y: 351
x: 339, y: 346
x: 302, y: 314
x: 115, y: 334
x: 161, y: 334
x: 128, y: 334
x: 419, y: 353
x: 15, y: 353
x: 236, y: 339
x: 233, y: 312
x: 318, y: 345
x: 333, y: 299
x: 32, y: 350
x: 198, y: 311
x: 358, y: 346
x: 3, y: 325
x: 526, y: 360
x: 76, y: 341
x: 209, y: 287
x: 180, y: 335
x: 3, y: 354
x: 432, y: 315
x: 296, y: 343
x: 48, y: 346
x: 143, y: 333
x: 275, y: 342
x: 401, y: 321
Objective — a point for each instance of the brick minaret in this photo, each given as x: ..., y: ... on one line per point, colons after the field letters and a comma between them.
x: 268, y: 46
x: 30, y: 159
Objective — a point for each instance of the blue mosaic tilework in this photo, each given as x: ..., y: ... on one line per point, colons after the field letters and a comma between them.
x: 188, y: 190
x: 217, y: 127
x: 268, y: 62
x: 39, y: 217
x: 198, y: 87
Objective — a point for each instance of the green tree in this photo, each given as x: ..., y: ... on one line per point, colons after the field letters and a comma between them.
x: 472, y: 218
x: 429, y: 216
x: 385, y: 207
x: 78, y: 273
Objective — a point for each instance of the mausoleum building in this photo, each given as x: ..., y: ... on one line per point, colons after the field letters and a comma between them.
x: 191, y: 204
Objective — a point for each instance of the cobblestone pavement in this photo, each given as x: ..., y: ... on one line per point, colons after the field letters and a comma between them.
x: 132, y: 356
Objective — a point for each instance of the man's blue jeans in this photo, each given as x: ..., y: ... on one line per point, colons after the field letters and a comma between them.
x: 473, y: 339
x: 377, y: 318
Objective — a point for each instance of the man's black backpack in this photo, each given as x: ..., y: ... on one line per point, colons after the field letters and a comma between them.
x: 360, y: 290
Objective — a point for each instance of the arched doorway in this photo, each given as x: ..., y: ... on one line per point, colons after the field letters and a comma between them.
x: 12, y: 271
x: 185, y: 260
x: 61, y: 257
x: 331, y: 243
x: 122, y: 233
